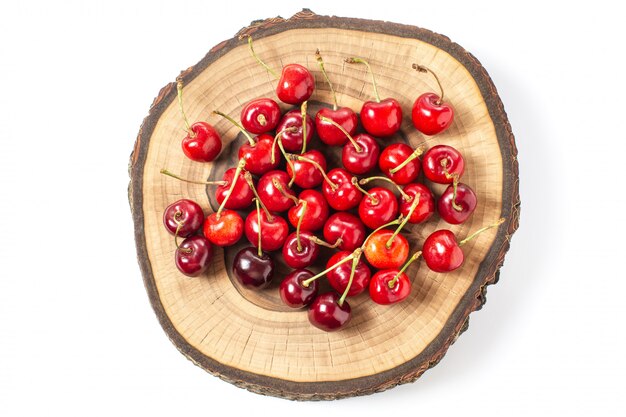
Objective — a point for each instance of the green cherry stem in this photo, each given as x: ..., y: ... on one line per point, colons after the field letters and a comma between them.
x: 170, y: 174
x: 372, y: 198
x: 320, y: 61
x: 321, y: 242
x: 357, y: 256
x: 303, y: 109
x: 422, y: 68
x: 179, y: 225
x: 316, y: 165
x: 406, y: 265
x: 348, y: 258
x: 263, y: 64
x: 240, y: 166
x: 405, y: 221
x: 258, y: 216
x: 233, y: 121
x: 279, y: 139
x: 179, y: 94
x: 298, y: 243
x: 391, y: 223
x: 479, y: 231
x: 416, y: 153
x: 354, y: 60
x: 344, y: 131
x: 248, y: 178
x: 283, y: 192
x: 455, y: 182
x: 404, y: 195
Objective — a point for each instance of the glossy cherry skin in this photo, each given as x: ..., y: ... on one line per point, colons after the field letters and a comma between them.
x: 330, y: 134
x: 197, y: 261
x: 252, y: 270
x: 346, y: 196
x: 260, y: 115
x: 430, y: 116
x: 392, y: 156
x: 185, y: 211
x: 340, y: 276
x: 296, y: 84
x: 465, y: 198
x: 225, y: 230
x: 293, y: 141
x: 441, y: 159
x: 203, y: 144
x: 315, y: 214
x: 294, y: 293
x: 307, y: 175
x: 360, y: 162
x: 380, y: 208
x: 273, y: 233
x: 426, y: 206
x: 381, y: 293
x: 326, y: 314
x: 300, y: 258
x: 347, y: 227
x: 259, y: 157
x: 381, y: 119
x: 242, y: 194
x: 381, y: 257
x: 269, y: 194
x: 442, y: 252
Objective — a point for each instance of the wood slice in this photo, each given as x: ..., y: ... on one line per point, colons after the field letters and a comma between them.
x: 250, y: 339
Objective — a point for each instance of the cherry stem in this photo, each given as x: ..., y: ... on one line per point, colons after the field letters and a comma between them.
x: 421, y: 68
x: 179, y: 225
x: 283, y: 192
x: 263, y: 64
x: 230, y: 119
x: 354, y: 60
x: 405, y: 221
x: 391, y: 223
x: 405, y: 196
x: 348, y: 258
x: 344, y: 131
x: 179, y: 91
x: 357, y: 256
x: 258, y: 216
x: 455, y: 182
x: 372, y: 198
x: 406, y: 265
x: 320, y: 61
x: 316, y: 165
x: 479, y: 231
x: 321, y: 242
x: 240, y: 166
x: 170, y: 174
x: 248, y: 178
x: 303, y: 109
x: 299, y: 244
x: 278, y: 139
x: 416, y: 153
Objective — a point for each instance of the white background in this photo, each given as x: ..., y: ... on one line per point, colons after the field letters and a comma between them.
x: 77, y: 333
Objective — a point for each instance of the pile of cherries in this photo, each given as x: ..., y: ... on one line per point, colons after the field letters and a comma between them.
x: 280, y: 184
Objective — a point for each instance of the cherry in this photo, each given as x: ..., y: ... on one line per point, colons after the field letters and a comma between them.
x: 426, y: 206
x: 327, y: 314
x: 300, y: 253
x: 383, y: 250
x: 274, y: 192
x: 430, y: 114
x: 223, y: 228
x: 183, y: 217
x: 194, y: 255
x: 360, y: 157
x: 202, y: 142
x: 253, y: 268
x: 308, y: 170
x: 379, y: 206
x: 241, y: 195
x: 344, y: 195
x: 273, y: 230
x: 313, y: 213
x: 399, y: 155
x: 457, y: 210
x: 291, y: 123
x: 380, y: 118
x: 345, y: 228
x: 391, y: 286
x: 294, y: 293
x: 443, y: 164
x: 260, y: 115
x: 339, y: 277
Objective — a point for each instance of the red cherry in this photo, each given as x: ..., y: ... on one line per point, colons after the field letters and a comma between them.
x: 382, y: 293
x: 345, y: 196
x: 194, y: 255
x: 307, y: 174
x: 329, y: 133
x: 184, y: 215
x: 315, y: 214
x: 443, y: 163
x: 258, y: 157
x: 303, y: 256
x: 260, y: 115
x: 382, y: 257
x: 347, y: 227
x: 383, y: 118
x: 442, y: 252
x: 364, y: 159
x: 430, y: 116
x: 457, y: 210
x: 378, y: 208
x: 203, y: 143
x: 294, y: 293
x: 394, y: 155
x: 326, y: 314
x: 340, y: 276
x: 273, y: 232
x: 271, y: 196
x: 293, y: 141
x: 426, y: 206
x: 296, y: 84
x: 223, y: 229
x: 242, y: 194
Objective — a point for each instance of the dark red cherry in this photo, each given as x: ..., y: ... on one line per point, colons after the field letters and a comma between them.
x: 378, y: 208
x: 457, y: 211
x: 186, y: 213
x: 425, y: 208
x: 294, y: 293
x: 442, y: 163
x: 296, y: 84
x: 303, y: 256
x: 346, y: 195
x: 270, y: 195
x: 307, y: 175
x: 347, y: 227
x: 252, y: 270
x: 364, y: 159
x: 340, y: 276
x: 258, y: 157
x: 381, y: 119
x: 330, y: 134
x: 326, y: 314
x: 202, y: 143
x: 273, y: 233
x: 242, y: 194
x: 315, y: 213
x: 382, y: 293
x: 392, y: 156
x: 260, y: 115
x: 293, y: 141
x: 431, y: 116
x: 224, y: 229
x: 194, y: 255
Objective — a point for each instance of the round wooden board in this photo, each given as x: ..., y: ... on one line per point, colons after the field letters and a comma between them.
x: 249, y: 339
